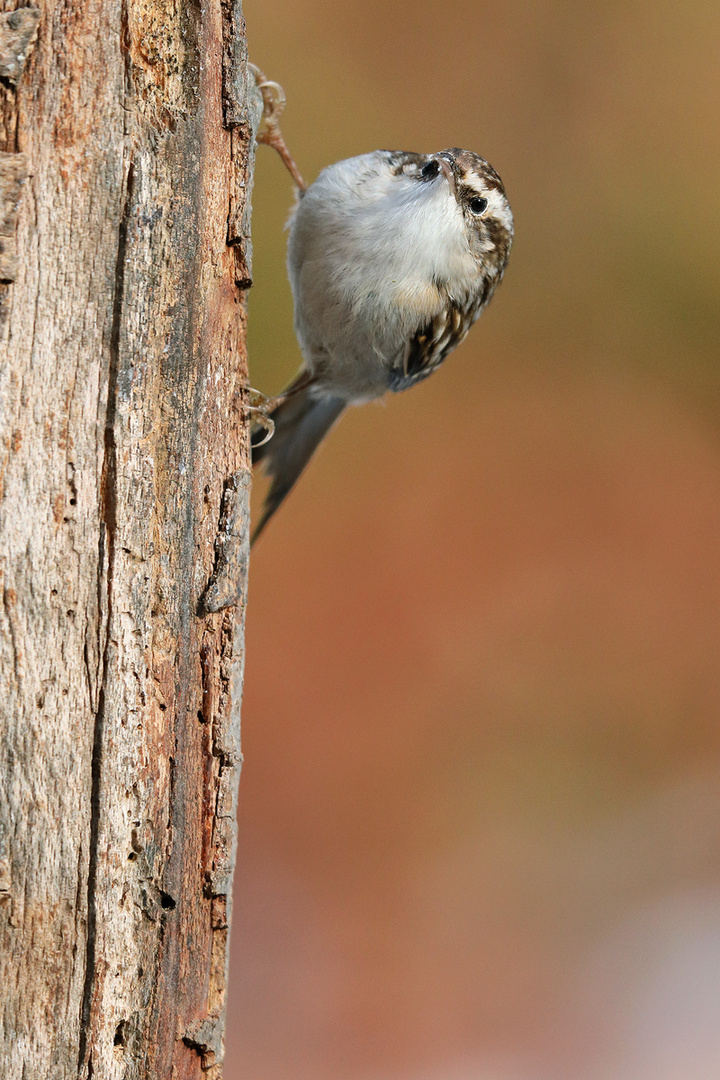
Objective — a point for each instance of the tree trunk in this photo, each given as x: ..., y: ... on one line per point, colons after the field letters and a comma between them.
x: 127, y: 136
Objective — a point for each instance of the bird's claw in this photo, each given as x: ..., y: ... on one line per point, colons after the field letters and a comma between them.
x: 274, y: 100
x: 265, y: 422
x: 260, y: 406
x: 273, y: 96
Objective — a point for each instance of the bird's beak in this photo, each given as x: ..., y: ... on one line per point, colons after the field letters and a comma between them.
x: 447, y: 165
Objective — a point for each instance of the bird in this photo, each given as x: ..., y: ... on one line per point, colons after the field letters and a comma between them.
x: 392, y: 256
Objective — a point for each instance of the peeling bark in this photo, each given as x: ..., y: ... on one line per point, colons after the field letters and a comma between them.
x: 126, y: 139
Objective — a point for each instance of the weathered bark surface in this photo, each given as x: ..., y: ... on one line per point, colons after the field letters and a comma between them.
x: 127, y: 154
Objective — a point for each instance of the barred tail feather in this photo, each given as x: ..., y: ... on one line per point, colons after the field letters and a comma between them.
x: 301, y: 422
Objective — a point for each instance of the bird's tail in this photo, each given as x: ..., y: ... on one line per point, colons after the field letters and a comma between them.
x: 301, y: 422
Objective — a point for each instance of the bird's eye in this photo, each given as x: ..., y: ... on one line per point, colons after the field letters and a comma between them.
x: 430, y: 170
x: 478, y: 206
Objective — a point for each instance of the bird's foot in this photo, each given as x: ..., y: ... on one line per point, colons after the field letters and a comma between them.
x: 260, y: 406
x: 274, y: 99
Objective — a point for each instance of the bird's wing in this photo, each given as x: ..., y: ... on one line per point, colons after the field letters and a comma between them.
x: 430, y: 344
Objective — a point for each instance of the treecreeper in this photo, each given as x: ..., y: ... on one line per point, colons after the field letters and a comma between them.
x: 392, y: 256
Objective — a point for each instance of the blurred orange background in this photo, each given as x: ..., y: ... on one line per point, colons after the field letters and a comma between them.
x: 480, y: 805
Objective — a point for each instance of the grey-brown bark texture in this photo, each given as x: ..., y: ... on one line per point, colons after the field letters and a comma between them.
x: 126, y: 141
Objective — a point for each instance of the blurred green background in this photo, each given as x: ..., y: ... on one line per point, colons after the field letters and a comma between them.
x: 480, y: 805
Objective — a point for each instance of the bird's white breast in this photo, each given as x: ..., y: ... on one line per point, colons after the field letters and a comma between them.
x: 371, y: 257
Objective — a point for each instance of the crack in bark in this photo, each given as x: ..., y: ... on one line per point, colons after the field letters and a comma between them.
x: 226, y: 586
x: 9, y: 602
x: 206, y: 1039
x: 106, y: 565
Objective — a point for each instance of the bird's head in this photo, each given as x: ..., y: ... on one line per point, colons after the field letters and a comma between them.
x: 480, y: 198
x: 476, y: 198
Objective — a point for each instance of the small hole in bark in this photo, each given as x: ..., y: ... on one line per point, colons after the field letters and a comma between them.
x: 119, y: 1039
x: 40, y: 700
x: 53, y: 592
x: 167, y: 901
x: 163, y: 708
